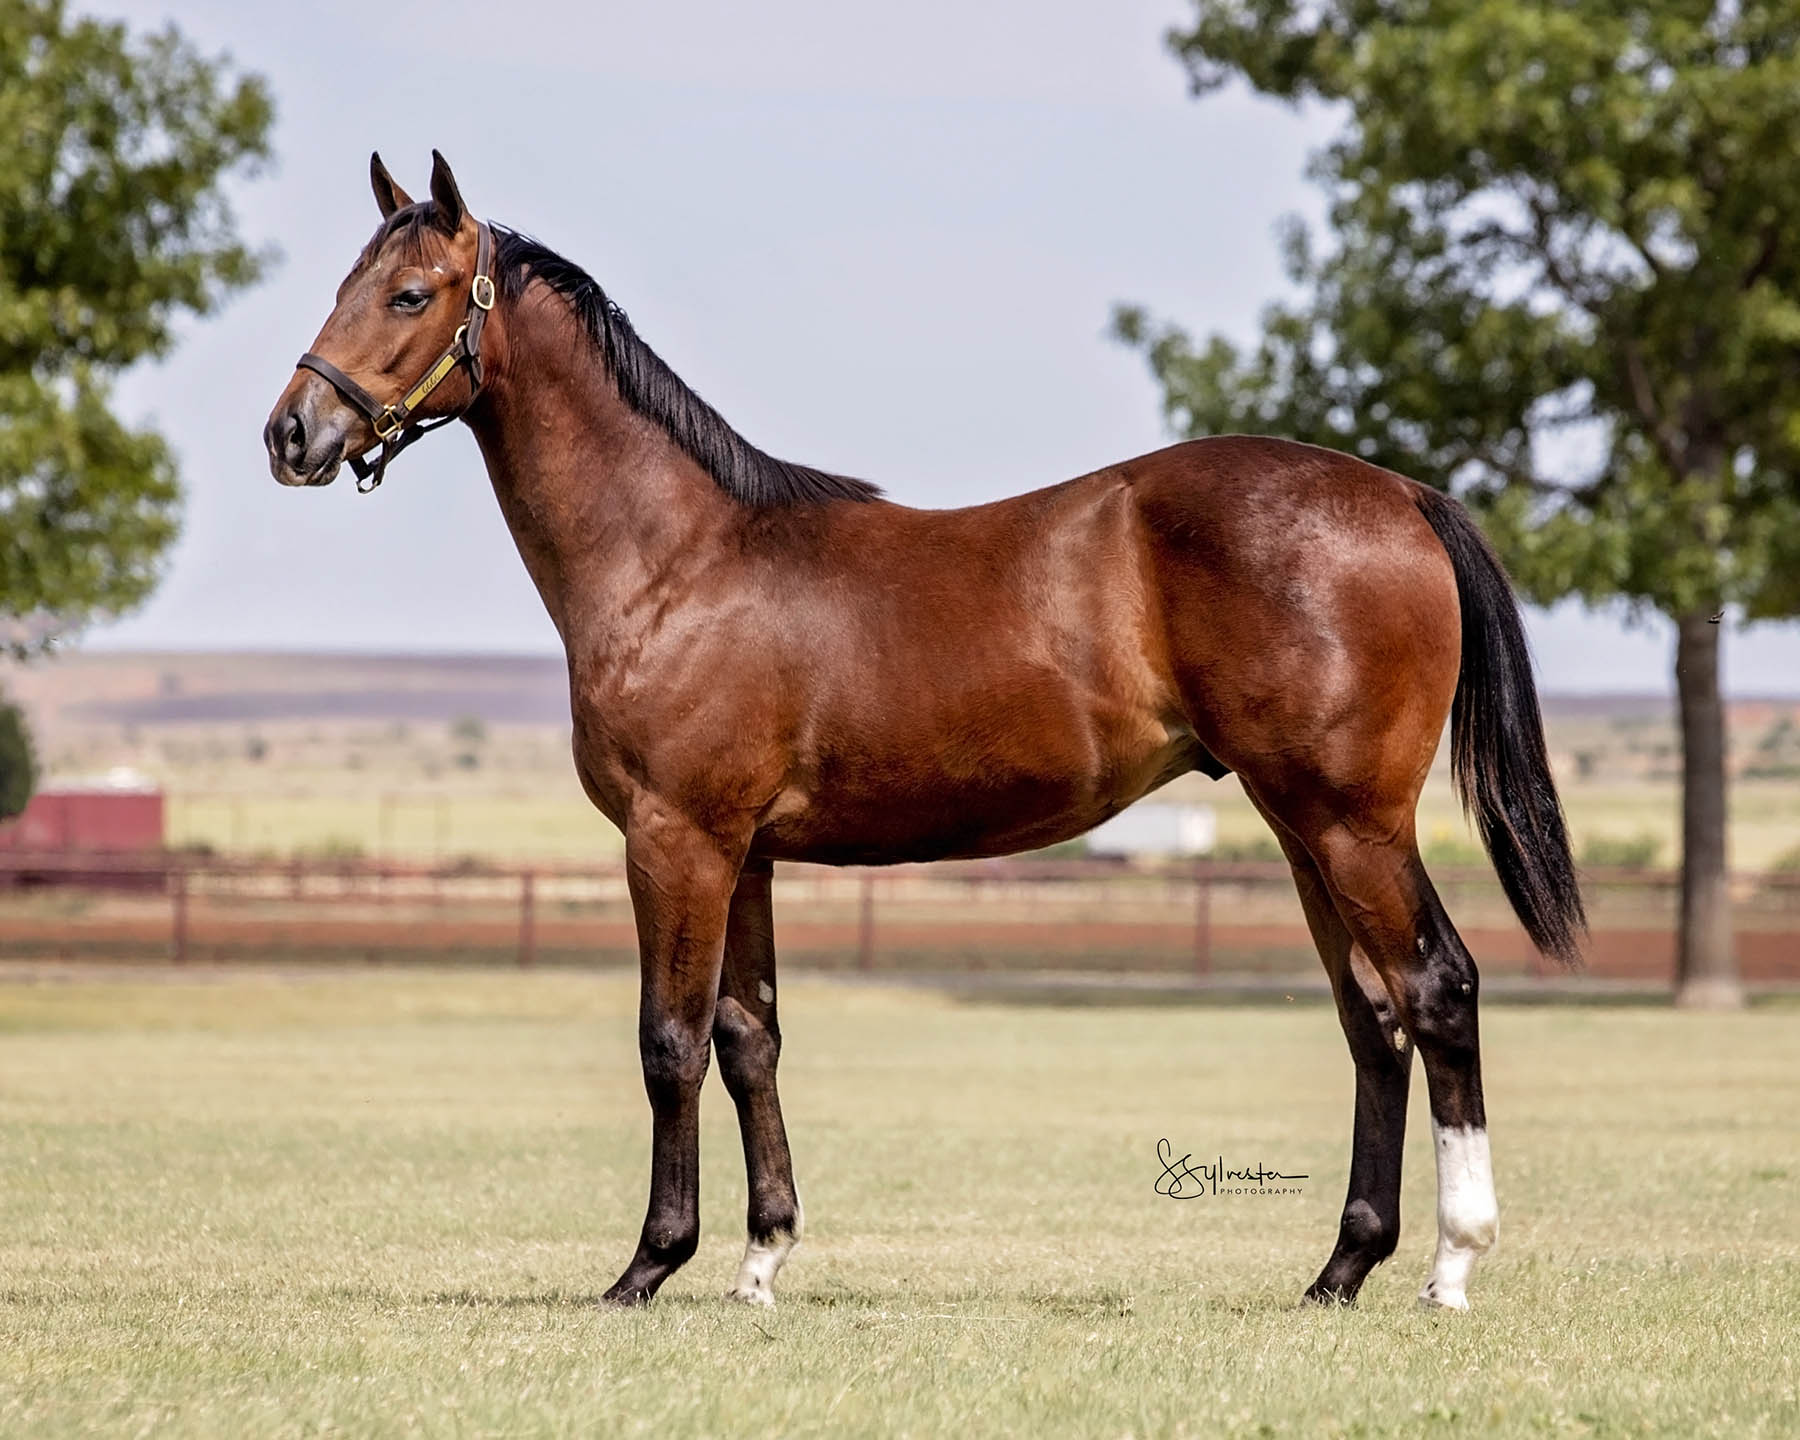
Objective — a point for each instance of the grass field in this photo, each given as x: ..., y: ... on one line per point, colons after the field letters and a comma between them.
x: 549, y: 818
x: 385, y: 1204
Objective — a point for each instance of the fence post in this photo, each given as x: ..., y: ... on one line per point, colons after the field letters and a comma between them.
x: 1202, y: 918
x: 527, y: 919
x: 180, y: 937
x: 865, y: 928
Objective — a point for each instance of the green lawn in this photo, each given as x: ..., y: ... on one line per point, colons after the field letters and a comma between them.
x: 384, y: 1204
x: 549, y: 818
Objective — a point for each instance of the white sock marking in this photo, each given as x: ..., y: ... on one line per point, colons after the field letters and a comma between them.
x: 762, y: 1262
x: 1468, y: 1214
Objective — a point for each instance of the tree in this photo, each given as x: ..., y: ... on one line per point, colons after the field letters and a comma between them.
x: 1563, y: 281
x: 113, y: 223
x: 18, y: 766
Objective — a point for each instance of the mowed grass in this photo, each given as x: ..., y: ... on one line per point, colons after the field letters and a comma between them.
x: 253, y: 1205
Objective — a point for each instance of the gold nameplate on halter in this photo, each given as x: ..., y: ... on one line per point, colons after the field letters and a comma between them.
x: 434, y: 377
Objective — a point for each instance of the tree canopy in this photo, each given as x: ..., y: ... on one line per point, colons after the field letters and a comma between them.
x: 113, y: 224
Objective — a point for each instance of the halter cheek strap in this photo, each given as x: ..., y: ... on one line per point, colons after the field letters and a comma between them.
x: 394, y: 426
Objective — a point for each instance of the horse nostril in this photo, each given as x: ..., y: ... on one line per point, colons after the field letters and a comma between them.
x: 295, y: 442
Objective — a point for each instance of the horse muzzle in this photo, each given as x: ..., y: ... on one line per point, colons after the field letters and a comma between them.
x: 304, y: 439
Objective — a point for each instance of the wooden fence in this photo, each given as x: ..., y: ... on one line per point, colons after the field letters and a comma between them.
x: 1195, y: 918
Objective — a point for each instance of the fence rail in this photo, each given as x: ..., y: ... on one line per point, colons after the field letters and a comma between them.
x: 1192, y: 917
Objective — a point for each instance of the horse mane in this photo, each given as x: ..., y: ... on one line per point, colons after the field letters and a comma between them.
x: 650, y: 387
x: 747, y: 474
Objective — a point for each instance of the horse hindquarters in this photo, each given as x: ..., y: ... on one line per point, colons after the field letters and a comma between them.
x: 1315, y: 627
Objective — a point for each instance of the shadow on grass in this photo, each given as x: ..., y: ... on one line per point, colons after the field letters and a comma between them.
x: 1098, y: 1304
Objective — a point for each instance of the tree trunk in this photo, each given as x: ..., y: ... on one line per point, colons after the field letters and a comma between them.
x: 1705, y: 967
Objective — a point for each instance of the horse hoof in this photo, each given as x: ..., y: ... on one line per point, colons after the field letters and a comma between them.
x: 1432, y: 1297
x: 747, y: 1295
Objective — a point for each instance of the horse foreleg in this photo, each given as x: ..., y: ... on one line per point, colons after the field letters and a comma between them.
x: 748, y: 1038
x: 681, y: 882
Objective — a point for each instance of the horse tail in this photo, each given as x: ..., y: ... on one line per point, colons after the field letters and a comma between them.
x: 1497, y: 753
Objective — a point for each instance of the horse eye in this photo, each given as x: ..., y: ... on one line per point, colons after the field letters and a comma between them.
x: 410, y: 300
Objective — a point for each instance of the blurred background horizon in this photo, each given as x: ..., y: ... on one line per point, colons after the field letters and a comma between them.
x: 884, y: 242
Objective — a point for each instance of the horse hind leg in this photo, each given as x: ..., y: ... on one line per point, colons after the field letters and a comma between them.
x: 747, y: 1039
x: 1382, y: 1054
x: 1393, y: 912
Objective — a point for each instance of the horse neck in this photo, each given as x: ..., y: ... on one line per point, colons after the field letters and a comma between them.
x: 604, y: 507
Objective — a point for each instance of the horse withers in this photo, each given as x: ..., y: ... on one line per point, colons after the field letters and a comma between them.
x: 768, y: 662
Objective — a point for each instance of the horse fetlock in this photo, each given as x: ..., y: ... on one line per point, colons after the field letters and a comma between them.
x: 763, y: 1258
x: 1363, y: 1230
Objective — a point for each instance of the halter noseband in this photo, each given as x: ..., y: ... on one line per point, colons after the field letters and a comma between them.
x: 395, y: 428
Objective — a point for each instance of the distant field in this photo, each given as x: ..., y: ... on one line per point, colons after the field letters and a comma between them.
x: 384, y: 1205
x: 556, y: 821
x: 469, y: 755
x: 521, y: 825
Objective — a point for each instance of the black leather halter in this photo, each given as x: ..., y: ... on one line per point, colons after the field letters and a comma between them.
x: 395, y: 428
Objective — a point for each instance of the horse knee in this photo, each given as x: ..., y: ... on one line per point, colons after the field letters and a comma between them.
x: 675, y: 1056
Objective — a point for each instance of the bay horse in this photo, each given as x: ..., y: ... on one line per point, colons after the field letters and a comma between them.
x: 768, y: 662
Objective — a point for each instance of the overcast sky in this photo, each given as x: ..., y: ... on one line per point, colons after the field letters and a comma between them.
x: 884, y: 239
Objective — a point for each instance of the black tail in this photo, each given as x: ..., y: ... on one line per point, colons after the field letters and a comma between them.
x: 1497, y: 743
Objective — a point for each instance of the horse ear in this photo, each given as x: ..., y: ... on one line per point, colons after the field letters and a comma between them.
x: 445, y: 195
x: 389, y: 197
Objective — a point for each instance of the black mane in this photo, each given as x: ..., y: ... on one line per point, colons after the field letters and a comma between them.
x: 656, y: 392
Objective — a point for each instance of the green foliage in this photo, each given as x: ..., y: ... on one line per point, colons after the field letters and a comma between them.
x: 1075, y: 849
x: 1549, y: 221
x: 1621, y: 852
x: 333, y: 847
x: 18, y: 765
x: 1786, y: 863
x: 1446, y: 848
x: 113, y: 223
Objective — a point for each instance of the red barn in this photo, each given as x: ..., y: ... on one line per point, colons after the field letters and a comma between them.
x: 121, y: 812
